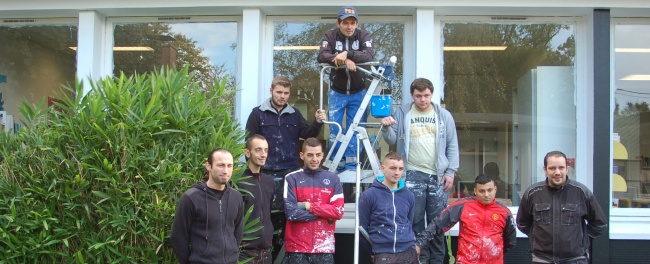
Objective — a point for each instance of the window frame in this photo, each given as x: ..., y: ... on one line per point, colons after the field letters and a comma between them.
x: 267, y: 56
x: 112, y: 21
x: 582, y: 70
x: 625, y: 223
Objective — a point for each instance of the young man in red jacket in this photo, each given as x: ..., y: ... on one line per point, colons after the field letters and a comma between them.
x: 313, y: 201
x: 487, y: 228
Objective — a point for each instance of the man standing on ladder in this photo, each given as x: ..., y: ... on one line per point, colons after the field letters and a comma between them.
x: 346, y: 45
x: 425, y: 134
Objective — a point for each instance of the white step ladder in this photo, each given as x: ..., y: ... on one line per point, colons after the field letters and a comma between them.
x: 377, y: 73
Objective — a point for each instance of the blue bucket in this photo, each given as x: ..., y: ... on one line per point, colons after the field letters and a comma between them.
x: 381, y: 105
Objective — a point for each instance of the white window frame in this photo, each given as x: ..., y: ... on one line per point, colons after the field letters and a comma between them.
x: 584, y: 118
x: 625, y: 223
x: 111, y: 21
x: 267, y: 54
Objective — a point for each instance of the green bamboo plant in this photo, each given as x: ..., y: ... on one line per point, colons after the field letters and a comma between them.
x: 97, y: 177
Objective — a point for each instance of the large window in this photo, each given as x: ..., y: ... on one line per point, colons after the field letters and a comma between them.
x: 37, y: 56
x: 631, y: 171
x: 207, y: 45
x: 510, y: 85
x: 296, y: 45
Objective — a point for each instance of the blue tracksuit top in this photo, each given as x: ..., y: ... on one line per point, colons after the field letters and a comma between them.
x: 387, y: 216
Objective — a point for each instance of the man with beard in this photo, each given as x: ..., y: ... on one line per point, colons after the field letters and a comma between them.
x: 208, y: 224
x: 560, y: 216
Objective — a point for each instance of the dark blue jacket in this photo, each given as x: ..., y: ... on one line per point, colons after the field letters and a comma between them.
x: 387, y: 216
x: 282, y: 131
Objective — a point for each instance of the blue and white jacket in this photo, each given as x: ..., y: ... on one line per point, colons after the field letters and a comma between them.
x: 387, y: 215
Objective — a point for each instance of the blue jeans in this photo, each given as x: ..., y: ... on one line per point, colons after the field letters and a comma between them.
x: 338, y: 105
x: 430, y: 200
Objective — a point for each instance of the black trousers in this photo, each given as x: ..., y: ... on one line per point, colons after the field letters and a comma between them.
x: 278, y: 217
x: 410, y: 256
x: 260, y: 256
x: 311, y: 258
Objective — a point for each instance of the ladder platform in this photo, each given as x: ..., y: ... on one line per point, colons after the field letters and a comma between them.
x: 350, y: 176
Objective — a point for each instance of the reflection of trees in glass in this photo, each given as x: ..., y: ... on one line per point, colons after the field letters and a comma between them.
x: 631, y: 121
x: 301, y: 68
x: 388, y: 40
x: 484, y: 81
x: 158, y: 36
x: 631, y: 109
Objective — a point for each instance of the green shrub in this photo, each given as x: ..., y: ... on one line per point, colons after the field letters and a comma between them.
x: 98, y: 179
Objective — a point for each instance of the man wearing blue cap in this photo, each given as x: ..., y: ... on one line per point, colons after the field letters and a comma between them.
x: 346, y: 45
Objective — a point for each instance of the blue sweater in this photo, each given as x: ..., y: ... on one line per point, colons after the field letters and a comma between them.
x: 387, y: 216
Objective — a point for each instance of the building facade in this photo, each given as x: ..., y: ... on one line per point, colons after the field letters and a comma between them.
x: 520, y: 77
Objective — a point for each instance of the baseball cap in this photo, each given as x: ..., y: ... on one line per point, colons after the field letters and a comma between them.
x: 348, y: 11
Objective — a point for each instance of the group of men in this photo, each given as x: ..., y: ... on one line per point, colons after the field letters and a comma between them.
x: 298, y: 206
x: 559, y: 215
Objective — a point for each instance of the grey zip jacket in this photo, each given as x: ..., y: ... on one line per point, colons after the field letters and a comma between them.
x: 447, y: 160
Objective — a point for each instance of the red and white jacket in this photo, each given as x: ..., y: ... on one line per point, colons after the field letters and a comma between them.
x: 486, y: 231
x: 312, y: 231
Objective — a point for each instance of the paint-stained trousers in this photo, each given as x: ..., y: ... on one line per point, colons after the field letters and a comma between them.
x: 430, y: 200
x: 339, y: 105
x: 308, y: 258
x: 410, y: 256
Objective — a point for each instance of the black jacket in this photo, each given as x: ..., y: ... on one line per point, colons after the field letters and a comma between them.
x: 359, y: 47
x: 260, y: 187
x: 282, y: 131
x: 560, y: 221
x: 207, y: 229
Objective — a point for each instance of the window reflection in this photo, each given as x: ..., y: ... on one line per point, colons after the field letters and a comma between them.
x: 631, y: 171
x: 208, y: 48
x: 34, y: 62
x: 512, y: 105
x: 300, y: 65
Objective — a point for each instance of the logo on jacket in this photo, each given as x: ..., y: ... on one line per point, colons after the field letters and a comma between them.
x: 495, y: 217
x: 339, y: 45
x: 326, y: 181
x: 355, y: 45
x: 325, y: 44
